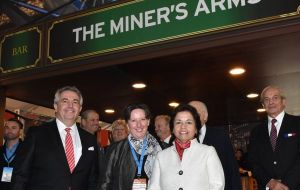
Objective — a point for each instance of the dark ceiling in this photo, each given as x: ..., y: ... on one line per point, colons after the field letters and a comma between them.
x: 196, y: 74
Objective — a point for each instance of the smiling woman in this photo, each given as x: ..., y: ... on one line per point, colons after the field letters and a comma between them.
x: 197, y: 165
x: 130, y: 161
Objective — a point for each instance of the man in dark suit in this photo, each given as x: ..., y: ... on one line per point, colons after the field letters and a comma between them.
x: 90, y: 121
x: 58, y: 155
x: 162, y: 130
x: 274, y: 149
x: 219, y: 139
x: 8, y: 152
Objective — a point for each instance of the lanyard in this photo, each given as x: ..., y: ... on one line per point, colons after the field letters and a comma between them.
x: 139, y: 163
x: 9, y: 160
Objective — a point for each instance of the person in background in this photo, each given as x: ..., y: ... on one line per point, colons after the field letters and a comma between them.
x: 90, y: 121
x: 242, y: 162
x: 58, y: 155
x: 162, y: 130
x: 219, y: 139
x: 187, y: 164
x: 274, y: 148
x: 9, y: 151
x: 129, y: 162
x: 119, y: 130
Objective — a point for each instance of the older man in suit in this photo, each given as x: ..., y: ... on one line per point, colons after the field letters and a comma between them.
x: 274, y: 149
x: 219, y: 139
x: 163, y: 131
x: 58, y: 155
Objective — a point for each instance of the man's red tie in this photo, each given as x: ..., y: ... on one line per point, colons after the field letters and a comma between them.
x: 69, y: 149
x: 273, y: 134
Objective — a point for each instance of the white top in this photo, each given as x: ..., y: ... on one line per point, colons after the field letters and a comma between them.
x: 200, y: 167
x: 75, y: 138
x: 279, y: 119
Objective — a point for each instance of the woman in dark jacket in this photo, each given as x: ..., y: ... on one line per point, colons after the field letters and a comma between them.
x: 129, y: 162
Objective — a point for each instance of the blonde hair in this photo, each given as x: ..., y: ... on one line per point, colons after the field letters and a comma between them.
x: 165, y: 117
x: 119, y: 122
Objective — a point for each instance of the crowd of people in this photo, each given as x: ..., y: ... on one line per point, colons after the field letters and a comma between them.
x: 184, y: 153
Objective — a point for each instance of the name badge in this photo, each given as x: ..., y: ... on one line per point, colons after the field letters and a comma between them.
x: 7, y: 174
x: 139, y: 184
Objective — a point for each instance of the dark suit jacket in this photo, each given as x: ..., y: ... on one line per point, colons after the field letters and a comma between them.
x: 282, y: 164
x: 3, y: 163
x: 42, y: 163
x: 219, y: 139
x: 120, y: 167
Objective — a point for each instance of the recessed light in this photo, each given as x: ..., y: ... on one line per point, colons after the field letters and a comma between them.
x: 261, y: 110
x: 252, y: 95
x: 139, y: 85
x: 109, y: 111
x: 173, y: 104
x: 237, y: 71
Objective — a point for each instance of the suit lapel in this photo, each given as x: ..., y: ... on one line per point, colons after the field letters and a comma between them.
x: 84, y: 150
x: 265, y: 138
x: 284, y: 129
x: 207, y: 136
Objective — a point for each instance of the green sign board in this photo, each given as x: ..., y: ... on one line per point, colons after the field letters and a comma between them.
x: 20, y: 50
x: 145, y: 22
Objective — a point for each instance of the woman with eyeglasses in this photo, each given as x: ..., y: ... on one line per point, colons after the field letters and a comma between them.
x: 129, y: 162
x: 187, y: 165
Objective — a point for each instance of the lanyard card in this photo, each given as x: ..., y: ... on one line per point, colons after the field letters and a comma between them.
x: 139, y: 184
x: 6, y: 174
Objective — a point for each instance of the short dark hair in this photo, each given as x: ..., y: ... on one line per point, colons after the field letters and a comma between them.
x: 188, y: 108
x: 84, y: 115
x: 16, y: 121
x: 128, y: 109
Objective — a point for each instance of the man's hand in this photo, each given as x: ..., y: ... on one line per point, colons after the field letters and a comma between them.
x: 276, y: 185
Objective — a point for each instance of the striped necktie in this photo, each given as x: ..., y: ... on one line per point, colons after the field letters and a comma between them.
x: 273, y: 134
x: 69, y: 149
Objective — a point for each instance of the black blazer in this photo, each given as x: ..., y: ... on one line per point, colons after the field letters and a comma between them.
x: 3, y: 163
x: 120, y: 167
x: 219, y: 139
x: 42, y: 165
x: 284, y: 163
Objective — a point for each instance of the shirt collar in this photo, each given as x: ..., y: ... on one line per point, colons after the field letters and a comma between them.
x: 202, y: 133
x: 279, y: 118
x: 13, y: 148
x: 167, y: 140
x: 61, y: 126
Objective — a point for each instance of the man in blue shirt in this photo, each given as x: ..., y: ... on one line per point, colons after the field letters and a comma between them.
x: 12, y: 130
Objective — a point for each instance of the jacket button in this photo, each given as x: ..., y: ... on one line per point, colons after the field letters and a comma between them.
x: 180, y: 172
x: 180, y: 188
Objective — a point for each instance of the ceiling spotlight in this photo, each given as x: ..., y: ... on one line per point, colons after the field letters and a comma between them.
x: 237, y: 71
x: 261, y: 110
x: 109, y: 111
x: 252, y: 95
x: 139, y: 85
x: 173, y: 104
